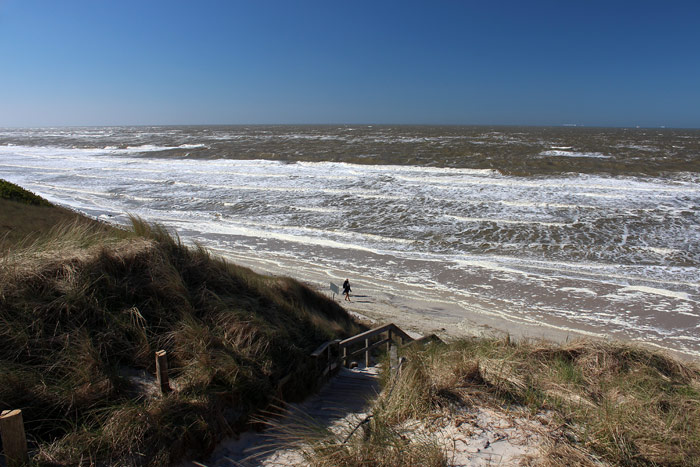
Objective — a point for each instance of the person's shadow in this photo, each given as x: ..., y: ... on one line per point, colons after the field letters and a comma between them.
x: 360, y: 296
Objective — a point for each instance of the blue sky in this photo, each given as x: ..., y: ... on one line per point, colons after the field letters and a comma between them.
x: 434, y: 62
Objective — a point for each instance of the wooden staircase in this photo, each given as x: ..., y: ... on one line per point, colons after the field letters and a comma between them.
x: 340, y: 404
x: 333, y: 355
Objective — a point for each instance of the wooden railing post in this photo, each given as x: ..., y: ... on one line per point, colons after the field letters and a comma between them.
x: 391, y: 330
x: 328, y: 357
x: 366, y: 353
x: 162, y: 371
x: 14, y: 441
x: 393, y: 359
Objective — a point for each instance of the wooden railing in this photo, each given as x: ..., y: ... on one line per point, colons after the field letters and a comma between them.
x: 332, y: 354
x: 324, y: 355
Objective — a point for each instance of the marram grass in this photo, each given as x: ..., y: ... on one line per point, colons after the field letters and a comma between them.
x: 82, y: 311
x: 608, y: 403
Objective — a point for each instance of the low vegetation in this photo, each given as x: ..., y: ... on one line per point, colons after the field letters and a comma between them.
x: 83, y: 309
x: 604, y: 404
x: 16, y: 193
x: 25, y: 217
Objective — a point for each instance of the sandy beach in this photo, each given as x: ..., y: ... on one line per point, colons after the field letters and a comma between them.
x: 425, y: 310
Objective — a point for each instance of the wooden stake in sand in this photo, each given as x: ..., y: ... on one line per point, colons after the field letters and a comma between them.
x: 162, y: 371
x: 366, y: 353
x: 14, y: 441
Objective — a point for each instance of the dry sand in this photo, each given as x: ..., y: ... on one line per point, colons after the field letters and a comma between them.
x: 475, y: 436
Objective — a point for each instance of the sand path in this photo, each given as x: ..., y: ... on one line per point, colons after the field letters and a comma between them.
x: 340, y: 404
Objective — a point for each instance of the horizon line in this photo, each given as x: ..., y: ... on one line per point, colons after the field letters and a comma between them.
x: 368, y: 124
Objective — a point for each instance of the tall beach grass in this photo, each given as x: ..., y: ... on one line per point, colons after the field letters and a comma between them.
x: 595, y: 403
x: 84, y: 308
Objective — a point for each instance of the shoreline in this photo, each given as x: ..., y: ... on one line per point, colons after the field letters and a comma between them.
x: 423, y: 311
x: 466, y: 311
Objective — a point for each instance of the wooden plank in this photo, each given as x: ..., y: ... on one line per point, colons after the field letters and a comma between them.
x: 364, y: 335
x: 322, y: 347
x: 330, y: 369
x: 162, y: 371
x: 400, y: 333
x: 373, y: 346
x: 373, y: 332
x: 14, y: 441
x: 367, y: 350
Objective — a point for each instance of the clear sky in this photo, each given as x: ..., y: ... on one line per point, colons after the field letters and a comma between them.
x: 123, y: 62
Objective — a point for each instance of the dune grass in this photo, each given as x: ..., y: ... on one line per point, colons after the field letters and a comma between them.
x: 82, y: 311
x: 26, y: 217
x: 606, y: 403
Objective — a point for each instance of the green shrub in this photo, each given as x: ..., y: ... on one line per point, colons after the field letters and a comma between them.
x: 15, y: 193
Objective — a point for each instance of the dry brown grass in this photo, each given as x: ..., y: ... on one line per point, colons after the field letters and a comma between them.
x: 80, y: 308
x: 25, y: 217
x: 616, y: 402
x: 595, y: 403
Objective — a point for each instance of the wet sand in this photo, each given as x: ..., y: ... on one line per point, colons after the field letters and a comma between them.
x: 422, y: 309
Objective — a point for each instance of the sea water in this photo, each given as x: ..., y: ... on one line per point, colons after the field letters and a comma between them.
x: 595, y: 230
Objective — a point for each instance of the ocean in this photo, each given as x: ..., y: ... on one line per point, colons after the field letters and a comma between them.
x: 591, y: 230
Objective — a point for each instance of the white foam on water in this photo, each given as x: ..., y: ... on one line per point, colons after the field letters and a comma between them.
x: 490, y: 266
x: 661, y: 251
x: 303, y: 233
x: 545, y: 205
x: 560, y: 236
x: 505, y: 221
x: 286, y: 237
x: 45, y: 152
x: 32, y: 167
x: 656, y: 291
x: 396, y: 170
x: 315, y: 209
x: 579, y: 290
x: 561, y: 153
x: 57, y: 188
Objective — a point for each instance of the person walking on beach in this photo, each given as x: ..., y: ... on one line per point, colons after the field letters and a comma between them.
x: 346, y: 289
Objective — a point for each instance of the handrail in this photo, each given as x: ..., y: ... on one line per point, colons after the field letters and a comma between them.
x: 323, y: 355
x: 322, y: 347
x: 373, y: 332
x: 372, y: 346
